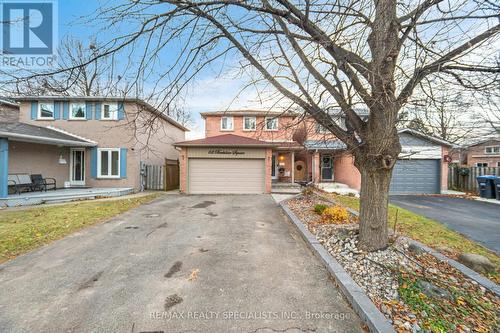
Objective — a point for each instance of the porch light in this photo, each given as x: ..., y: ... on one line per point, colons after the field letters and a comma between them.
x: 281, y: 158
x: 62, y: 160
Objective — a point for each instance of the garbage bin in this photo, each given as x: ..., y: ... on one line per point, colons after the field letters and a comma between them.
x: 496, y: 181
x: 486, y: 186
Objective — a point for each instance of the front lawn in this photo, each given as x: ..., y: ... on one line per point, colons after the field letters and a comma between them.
x: 24, y: 230
x: 428, y: 231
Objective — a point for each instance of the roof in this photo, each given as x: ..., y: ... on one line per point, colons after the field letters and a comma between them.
x: 426, y: 137
x: 250, y: 112
x: 139, y: 101
x: 324, y: 144
x: 9, y: 102
x: 225, y: 140
x: 487, y: 140
x: 17, y: 131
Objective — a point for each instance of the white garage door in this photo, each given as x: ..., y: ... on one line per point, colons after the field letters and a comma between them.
x: 239, y: 176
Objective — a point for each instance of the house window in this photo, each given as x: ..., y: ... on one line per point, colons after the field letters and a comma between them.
x: 108, y: 163
x: 482, y: 165
x: 109, y: 111
x: 272, y: 124
x: 226, y: 123
x: 492, y: 150
x: 45, y: 110
x: 249, y: 123
x: 77, y: 111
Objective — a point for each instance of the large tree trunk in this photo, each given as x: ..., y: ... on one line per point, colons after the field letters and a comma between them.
x: 373, y: 234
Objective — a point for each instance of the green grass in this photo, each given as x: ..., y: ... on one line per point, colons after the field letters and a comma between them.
x: 24, y: 230
x: 428, y: 231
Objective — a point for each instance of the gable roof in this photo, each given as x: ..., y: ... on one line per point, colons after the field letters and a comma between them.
x: 427, y: 137
x: 17, y: 131
x: 139, y: 101
x: 482, y: 142
x: 225, y: 140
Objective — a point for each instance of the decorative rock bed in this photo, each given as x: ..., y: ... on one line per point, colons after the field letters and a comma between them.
x: 415, y: 291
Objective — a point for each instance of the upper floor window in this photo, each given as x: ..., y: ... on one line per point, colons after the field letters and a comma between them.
x: 492, y: 150
x: 321, y: 129
x: 45, y: 110
x: 271, y: 124
x: 109, y: 111
x: 77, y: 111
x: 482, y: 165
x: 226, y: 123
x: 249, y: 123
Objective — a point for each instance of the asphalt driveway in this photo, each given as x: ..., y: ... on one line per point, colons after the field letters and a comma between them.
x: 179, y: 264
x: 479, y: 221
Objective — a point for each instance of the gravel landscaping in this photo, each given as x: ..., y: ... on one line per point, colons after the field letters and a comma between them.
x: 415, y: 291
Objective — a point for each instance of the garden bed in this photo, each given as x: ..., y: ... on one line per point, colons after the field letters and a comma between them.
x: 415, y: 291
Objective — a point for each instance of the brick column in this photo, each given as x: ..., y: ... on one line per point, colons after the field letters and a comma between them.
x: 268, y: 165
x: 444, y: 170
x: 183, y: 170
x: 4, y: 167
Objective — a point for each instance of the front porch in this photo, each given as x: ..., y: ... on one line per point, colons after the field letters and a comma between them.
x: 61, y: 195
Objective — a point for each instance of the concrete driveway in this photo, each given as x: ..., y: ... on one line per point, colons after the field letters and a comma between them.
x: 479, y: 221
x: 179, y: 264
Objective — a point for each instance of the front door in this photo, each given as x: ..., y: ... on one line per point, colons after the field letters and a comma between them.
x: 274, y: 166
x: 326, y: 167
x: 77, y: 167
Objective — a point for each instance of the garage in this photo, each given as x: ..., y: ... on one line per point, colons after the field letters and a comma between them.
x: 416, y: 176
x: 232, y: 176
x: 225, y: 164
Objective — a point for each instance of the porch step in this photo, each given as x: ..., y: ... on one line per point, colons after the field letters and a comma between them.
x: 285, y: 188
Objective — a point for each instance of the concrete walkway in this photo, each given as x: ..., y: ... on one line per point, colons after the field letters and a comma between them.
x: 178, y: 264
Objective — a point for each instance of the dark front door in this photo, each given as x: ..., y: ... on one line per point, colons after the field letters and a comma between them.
x: 326, y: 167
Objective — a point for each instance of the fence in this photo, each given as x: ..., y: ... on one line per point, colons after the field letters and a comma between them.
x: 160, y: 177
x: 464, y: 178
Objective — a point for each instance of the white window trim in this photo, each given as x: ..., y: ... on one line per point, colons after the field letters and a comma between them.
x: 492, y: 150
x: 113, y: 107
x: 39, y: 111
x: 99, y: 175
x: 277, y: 123
x: 250, y: 129
x: 482, y: 166
x: 227, y: 129
x: 70, y: 116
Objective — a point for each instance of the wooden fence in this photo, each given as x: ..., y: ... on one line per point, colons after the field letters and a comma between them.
x: 464, y: 178
x: 160, y: 177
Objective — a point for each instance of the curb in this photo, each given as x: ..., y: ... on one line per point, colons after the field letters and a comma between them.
x: 362, y: 305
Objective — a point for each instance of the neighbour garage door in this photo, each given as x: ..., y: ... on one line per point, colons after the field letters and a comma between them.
x: 416, y: 177
x: 238, y: 176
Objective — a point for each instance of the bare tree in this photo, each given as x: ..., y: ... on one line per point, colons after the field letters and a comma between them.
x: 318, y: 55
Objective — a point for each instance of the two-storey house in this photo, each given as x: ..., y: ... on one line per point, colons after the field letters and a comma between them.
x: 86, y: 141
x: 247, y: 151
x: 484, y: 154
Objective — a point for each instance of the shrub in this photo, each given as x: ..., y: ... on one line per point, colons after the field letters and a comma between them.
x: 319, y: 208
x: 335, y: 215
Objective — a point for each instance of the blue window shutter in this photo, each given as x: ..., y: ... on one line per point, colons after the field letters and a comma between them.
x: 88, y: 110
x: 57, y: 110
x: 98, y: 107
x: 34, y: 110
x: 93, y: 162
x: 123, y: 163
x: 121, y: 111
x: 65, y: 110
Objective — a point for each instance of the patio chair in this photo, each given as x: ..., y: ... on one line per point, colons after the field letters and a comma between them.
x: 20, y: 182
x: 42, y: 184
x: 12, y: 184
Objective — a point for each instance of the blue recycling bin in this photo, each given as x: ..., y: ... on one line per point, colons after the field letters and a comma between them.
x: 486, y: 186
x: 496, y: 182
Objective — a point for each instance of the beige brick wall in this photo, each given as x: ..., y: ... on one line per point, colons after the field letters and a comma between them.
x: 8, y: 113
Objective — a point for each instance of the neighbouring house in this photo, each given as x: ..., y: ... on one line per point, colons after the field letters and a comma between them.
x: 484, y: 154
x: 249, y: 151
x: 86, y: 141
x: 9, y: 110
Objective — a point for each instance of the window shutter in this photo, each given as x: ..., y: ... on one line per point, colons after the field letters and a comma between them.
x: 88, y: 110
x: 121, y: 111
x: 93, y: 162
x: 57, y: 110
x: 65, y: 110
x: 98, y: 107
x: 34, y: 110
x: 123, y: 163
